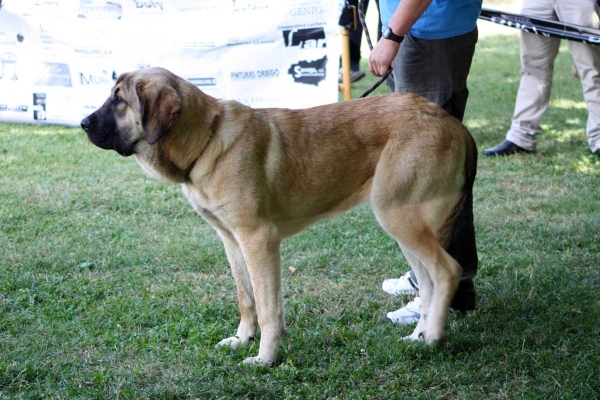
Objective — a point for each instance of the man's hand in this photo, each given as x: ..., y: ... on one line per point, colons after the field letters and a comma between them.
x: 406, y: 14
x: 382, y: 55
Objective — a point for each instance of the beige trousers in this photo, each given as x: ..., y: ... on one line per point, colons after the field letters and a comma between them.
x: 537, y: 66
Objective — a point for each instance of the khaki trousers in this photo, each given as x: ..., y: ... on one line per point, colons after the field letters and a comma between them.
x: 537, y: 66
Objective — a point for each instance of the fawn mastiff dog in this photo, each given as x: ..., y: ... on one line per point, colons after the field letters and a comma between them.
x: 260, y: 175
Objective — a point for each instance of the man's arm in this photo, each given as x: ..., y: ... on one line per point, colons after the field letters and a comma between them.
x: 407, y: 13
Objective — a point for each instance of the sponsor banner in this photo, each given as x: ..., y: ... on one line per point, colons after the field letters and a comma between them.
x: 59, y: 59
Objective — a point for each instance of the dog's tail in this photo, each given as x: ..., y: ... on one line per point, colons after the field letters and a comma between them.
x: 461, y: 244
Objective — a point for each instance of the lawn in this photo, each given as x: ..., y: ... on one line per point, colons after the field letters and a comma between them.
x: 111, y: 287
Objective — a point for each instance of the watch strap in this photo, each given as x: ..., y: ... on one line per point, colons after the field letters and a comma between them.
x: 389, y: 34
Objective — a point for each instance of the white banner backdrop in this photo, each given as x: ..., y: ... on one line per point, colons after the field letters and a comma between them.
x: 59, y: 59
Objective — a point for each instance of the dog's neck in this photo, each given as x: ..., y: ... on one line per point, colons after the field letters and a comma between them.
x: 211, y: 134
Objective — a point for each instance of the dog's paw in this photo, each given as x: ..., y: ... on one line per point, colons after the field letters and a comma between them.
x: 415, y: 337
x: 423, y: 337
x: 257, y: 361
x: 232, y: 342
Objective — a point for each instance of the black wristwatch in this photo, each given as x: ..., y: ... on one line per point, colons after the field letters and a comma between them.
x: 389, y: 34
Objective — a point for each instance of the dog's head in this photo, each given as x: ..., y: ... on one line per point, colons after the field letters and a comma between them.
x: 142, y: 107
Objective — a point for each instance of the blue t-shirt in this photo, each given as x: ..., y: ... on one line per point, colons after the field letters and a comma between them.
x: 442, y: 19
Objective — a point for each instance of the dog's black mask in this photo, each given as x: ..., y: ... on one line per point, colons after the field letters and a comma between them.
x: 101, y: 130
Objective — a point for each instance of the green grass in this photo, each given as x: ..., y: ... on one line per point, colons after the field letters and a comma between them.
x: 111, y: 287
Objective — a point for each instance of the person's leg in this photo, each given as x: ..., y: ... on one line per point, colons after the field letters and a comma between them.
x: 436, y: 69
x: 355, y: 36
x: 587, y: 61
x: 537, y: 66
x: 355, y: 39
x: 423, y: 67
x: 461, y: 57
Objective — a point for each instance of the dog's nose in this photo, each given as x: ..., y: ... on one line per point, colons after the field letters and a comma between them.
x: 85, y: 124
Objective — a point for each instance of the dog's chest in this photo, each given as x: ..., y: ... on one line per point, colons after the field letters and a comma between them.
x: 201, y: 204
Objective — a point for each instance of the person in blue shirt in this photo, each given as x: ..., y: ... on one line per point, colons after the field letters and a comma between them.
x: 430, y: 45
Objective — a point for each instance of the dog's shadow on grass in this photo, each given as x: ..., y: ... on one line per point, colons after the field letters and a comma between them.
x: 522, y: 329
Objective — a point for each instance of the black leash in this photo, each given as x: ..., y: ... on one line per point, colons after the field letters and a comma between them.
x: 361, y: 17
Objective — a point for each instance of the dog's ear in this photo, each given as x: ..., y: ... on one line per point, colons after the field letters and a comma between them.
x: 160, y: 108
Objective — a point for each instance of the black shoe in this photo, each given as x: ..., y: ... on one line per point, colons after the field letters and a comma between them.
x: 597, y: 152
x: 505, y: 148
x: 355, y: 75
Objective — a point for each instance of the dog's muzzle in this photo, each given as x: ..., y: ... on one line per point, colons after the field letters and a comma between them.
x: 100, y: 137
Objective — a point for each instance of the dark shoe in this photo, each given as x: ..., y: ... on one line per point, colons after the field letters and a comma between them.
x: 597, y: 152
x: 505, y: 148
x: 354, y: 76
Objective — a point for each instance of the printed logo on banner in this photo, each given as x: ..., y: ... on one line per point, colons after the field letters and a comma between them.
x: 311, y: 38
x: 100, y: 9
x: 19, y: 38
x: 7, y: 40
x: 93, y: 51
x: 258, y: 74
x: 90, y: 108
x: 245, y: 5
x: 238, y: 42
x: 196, y: 44
x: 55, y: 74
x: 8, y: 67
x: 195, y: 5
x: 203, y: 82
x: 45, y: 37
x: 149, y: 5
x: 103, y: 78
x: 47, y: 3
x: 257, y: 101
x: 306, y: 10
x: 13, y: 107
x: 39, y: 106
x: 309, y: 72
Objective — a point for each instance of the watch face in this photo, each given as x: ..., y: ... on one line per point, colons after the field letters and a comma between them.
x: 389, y: 34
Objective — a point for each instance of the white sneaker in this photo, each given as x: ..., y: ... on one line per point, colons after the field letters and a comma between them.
x: 409, y: 314
x: 405, y: 285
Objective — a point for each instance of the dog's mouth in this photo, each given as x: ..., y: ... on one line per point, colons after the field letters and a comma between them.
x: 112, y: 142
x: 123, y: 148
x: 129, y: 150
x: 106, y: 136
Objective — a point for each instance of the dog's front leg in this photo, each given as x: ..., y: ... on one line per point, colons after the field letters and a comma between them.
x: 263, y: 258
x: 248, y: 320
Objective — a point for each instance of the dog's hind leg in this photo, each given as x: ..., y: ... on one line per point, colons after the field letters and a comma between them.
x: 248, y: 319
x: 439, y: 274
x: 425, y: 288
